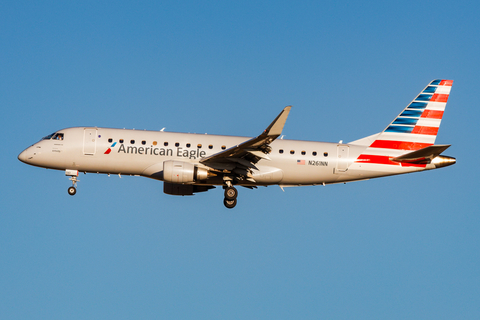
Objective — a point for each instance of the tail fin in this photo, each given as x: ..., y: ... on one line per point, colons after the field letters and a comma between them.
x: 415, y: 127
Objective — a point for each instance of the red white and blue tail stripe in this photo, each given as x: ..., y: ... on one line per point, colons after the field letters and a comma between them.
x: 415, y: 128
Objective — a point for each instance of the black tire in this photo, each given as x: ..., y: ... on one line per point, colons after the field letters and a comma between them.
x: 231, y: 193
x: 230, y: 204
x: 72, y: 191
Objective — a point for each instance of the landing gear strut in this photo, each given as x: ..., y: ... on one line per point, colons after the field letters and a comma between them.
x: 73, y: 174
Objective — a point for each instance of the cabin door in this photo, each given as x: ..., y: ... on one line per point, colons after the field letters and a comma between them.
x: 89, y: 141
x: 342, y: 158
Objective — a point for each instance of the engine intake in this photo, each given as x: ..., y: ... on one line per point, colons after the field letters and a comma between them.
x: 183, y: 172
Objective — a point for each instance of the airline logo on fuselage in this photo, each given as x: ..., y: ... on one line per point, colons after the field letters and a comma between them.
x: 178, y: 152
x: 110, y: 149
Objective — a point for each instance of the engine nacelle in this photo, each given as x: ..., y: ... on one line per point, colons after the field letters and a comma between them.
x: 183, y: 172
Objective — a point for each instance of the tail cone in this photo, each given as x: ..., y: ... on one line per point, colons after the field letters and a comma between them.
x: 443, y: 161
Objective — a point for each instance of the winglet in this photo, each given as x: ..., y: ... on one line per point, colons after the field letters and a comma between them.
x: 276, y: 127
x: 252, y: 150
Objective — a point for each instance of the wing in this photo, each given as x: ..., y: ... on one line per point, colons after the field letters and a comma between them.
x: 241, y: 159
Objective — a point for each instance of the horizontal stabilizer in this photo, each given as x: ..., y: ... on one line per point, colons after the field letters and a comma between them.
x: 424, y: 155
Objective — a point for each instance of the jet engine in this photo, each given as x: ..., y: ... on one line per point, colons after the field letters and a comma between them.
x: 183, y: 172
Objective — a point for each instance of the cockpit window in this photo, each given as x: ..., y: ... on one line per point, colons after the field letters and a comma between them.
x: 48, y: 137
x: 58, y: 136
x: 54, y: 136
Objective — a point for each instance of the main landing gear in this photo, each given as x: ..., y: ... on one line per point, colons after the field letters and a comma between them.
x: 230, y: 200
x: 231, y: 194
x: 73, y: 174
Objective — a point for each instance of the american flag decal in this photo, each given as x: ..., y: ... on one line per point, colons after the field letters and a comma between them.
x: 301, y: 162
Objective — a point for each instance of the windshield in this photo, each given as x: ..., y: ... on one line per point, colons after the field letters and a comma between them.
x: 48, y: 137
x: 58, y: 136
x: 54, y: 136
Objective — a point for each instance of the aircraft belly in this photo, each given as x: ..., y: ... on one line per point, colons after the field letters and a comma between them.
x: 267, y: 175
x: 306, y: 174
x: 51, y: 161
x: 368, y: 170
x: 112, y: 164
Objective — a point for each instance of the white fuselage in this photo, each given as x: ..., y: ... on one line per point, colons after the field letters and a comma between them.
x: 142, y: 153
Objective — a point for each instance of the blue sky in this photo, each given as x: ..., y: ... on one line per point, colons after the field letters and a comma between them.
x: 398, y: 247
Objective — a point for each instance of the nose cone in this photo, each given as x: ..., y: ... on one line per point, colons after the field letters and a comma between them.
x: 23, y: 156
x: 27, y: 155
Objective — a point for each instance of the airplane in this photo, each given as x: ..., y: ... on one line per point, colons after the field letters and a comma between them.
x: 192, y: 163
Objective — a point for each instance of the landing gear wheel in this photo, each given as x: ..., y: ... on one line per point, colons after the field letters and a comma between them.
x: 231, y: 193
x: 230, y: 204
x: 72, y: 191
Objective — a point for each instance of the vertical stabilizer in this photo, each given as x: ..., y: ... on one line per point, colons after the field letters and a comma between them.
x: 415, y: 128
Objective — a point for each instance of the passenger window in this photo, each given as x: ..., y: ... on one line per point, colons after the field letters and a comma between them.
x: 188, y: 145
x: 154, y: 143
x: 121, y: 141
x: 314, y: 153
x: 325, y: 154
x: 224, y: 147
x: 210, y: 147
x: 165, y: 144
x: 144, y: 142
x: 303, y: 153
x: 292, y: 151
x: 199, y: 145
x: 132, y: 141
x: 110, y: 140
x: 177, y: 144
x: 280, y: 151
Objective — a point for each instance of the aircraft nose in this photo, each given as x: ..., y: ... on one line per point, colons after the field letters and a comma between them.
x: 23, y: 156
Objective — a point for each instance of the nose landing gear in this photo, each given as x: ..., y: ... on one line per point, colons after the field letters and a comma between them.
x: 72, y: 191
x: 73, y: 174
